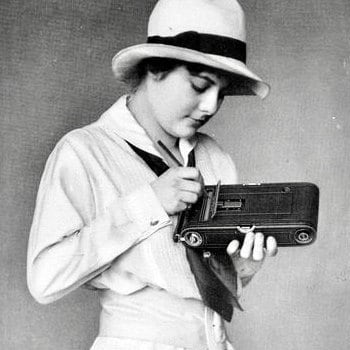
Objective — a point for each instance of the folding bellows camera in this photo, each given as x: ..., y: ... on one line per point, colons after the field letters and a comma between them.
x: 286, y: 211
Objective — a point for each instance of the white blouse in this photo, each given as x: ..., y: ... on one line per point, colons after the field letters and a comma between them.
x: 98, y: 222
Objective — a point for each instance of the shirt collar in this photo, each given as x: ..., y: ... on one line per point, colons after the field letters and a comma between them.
x: 120, y: 120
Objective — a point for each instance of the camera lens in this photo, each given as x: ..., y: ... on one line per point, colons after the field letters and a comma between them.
x: 193, y: 239
x: 303, y: 237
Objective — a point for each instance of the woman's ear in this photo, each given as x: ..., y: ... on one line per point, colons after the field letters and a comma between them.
x: 156, y: 75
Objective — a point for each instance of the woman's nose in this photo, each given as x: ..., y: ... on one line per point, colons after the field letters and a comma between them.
x: 210, y: 102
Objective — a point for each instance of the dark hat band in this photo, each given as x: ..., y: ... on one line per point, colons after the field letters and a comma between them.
x: 206, y: 43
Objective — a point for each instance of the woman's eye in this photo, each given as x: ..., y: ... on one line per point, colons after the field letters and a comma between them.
x: 199, y: 87
x: 199, y: 84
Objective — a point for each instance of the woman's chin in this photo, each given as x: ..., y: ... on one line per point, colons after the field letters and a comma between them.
x: 187, y: 133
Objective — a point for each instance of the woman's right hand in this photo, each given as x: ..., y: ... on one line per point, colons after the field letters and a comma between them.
x: 177, y: 188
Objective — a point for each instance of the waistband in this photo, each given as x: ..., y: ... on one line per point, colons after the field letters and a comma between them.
x: 157, y: 316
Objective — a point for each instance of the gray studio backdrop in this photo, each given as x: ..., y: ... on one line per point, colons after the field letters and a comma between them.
x: 55, y: 76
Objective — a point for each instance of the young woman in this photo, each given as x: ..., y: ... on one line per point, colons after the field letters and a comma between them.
x: 108, y: 201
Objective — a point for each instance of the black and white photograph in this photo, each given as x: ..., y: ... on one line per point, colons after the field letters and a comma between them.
x: 174, y: 175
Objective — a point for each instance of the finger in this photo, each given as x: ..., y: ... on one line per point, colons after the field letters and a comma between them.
x: 232, y: 248
x: 189, y: 186
x: 258, y: 250
x: 271, y: 246
x: 201, y: 179
x: 182, y: 206
x: 188, y: 197
x: 247, y: 246
x: 189, y: 173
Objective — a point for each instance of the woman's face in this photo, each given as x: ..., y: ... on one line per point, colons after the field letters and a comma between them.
x: 182, y: 101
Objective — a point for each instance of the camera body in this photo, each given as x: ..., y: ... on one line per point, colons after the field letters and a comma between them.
x: 286, y: 211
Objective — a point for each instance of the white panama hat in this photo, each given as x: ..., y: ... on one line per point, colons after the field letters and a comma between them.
x: 207, y: 32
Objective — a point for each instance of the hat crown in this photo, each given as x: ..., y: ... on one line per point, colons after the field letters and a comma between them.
x: 218, y: 17
x: 207, y: 32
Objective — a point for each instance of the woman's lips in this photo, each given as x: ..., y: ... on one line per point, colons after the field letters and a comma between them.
x: 197, y: 121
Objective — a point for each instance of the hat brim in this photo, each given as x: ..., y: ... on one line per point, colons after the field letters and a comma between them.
x: 126, y: 60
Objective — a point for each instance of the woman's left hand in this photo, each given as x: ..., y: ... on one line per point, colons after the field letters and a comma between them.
x: 250, y: 257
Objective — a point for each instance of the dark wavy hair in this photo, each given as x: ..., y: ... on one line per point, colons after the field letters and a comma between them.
x: 164, y: 66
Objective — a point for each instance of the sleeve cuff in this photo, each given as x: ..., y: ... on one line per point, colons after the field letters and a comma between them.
x: 143, y: 208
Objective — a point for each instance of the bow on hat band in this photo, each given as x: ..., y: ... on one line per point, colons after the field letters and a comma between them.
x: 206, y: 43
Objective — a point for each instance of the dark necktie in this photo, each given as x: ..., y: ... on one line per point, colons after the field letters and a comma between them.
x: 214, y: 272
